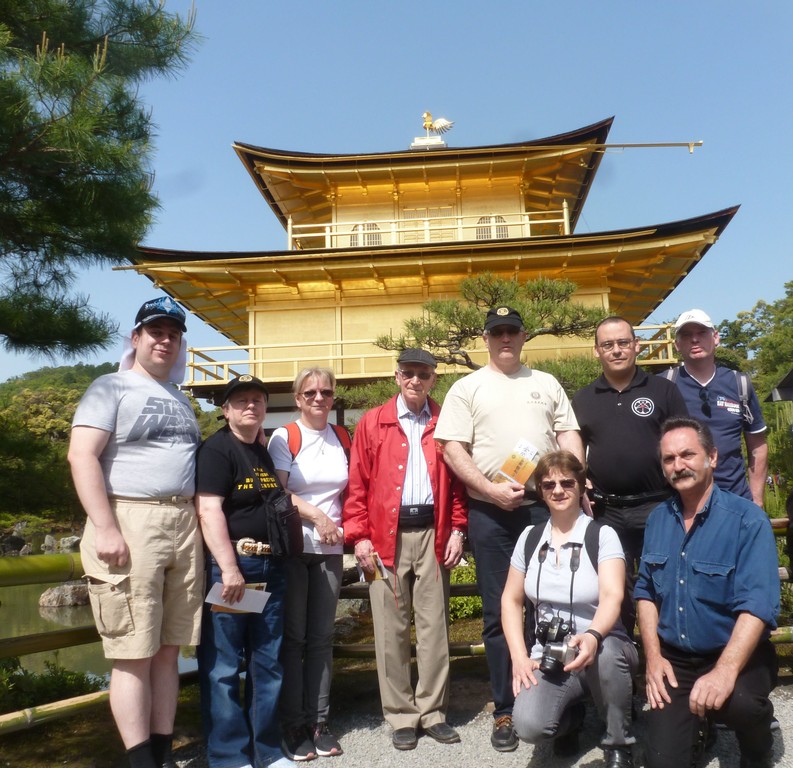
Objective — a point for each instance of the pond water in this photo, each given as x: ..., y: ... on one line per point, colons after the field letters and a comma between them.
x: 20, y: 615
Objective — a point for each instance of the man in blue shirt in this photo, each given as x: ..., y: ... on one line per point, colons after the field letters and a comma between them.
x: 713, y: 395
x: 707, y: 596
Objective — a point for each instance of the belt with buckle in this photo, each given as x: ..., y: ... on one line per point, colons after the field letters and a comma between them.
x: 249, y: 547
x: 156, y: 500
x: 633, y: 500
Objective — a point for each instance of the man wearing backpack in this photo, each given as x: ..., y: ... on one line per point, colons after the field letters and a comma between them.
x: 724, y: 400
x: 405, y: 510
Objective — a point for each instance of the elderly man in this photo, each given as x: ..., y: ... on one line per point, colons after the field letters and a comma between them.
x: 484, y: 416
x: 620, y: 416
x: 404, y: 505
x: 708, y: 595
x: 726, y: 401
x: 132, y: 454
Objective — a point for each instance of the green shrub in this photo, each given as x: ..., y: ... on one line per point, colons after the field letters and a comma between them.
x: 464, y: 607
x: 20, y: 688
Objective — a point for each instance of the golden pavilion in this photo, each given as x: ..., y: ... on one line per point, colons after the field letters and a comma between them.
x: 368, y: 238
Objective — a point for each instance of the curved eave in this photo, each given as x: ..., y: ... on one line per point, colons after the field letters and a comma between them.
x: 297, y: 184
x: 638, y: 268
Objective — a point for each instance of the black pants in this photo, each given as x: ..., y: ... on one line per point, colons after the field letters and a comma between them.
x: 629, y: 523
x: 493, y: 533
x: 672, y: 731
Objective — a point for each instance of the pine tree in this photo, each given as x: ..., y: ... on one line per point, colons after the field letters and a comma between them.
x: 75, y: 184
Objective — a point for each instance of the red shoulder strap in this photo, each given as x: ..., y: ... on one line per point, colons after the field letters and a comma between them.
x: 294, y: 438
x: 344, y: 438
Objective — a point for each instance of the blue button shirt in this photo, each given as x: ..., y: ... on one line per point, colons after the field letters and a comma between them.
x: 701, y: 580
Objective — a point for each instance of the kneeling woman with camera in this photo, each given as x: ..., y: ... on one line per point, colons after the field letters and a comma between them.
x: 572, y: 571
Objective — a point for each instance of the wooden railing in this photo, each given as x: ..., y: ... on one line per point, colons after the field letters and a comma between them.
x: 360, y: 359
x: 368, y: 233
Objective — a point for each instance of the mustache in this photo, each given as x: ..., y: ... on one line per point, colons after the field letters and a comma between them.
x: 682, y: 474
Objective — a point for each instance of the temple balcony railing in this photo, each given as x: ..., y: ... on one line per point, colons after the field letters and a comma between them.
x: 369, y: 233
x: 355, y: 360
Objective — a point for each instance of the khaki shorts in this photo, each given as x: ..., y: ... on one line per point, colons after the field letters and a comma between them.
x: 157, y: 597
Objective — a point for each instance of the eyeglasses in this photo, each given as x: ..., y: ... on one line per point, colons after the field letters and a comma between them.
x: 607, y: 346
x: 567, y: 483
x: 310, y: 394
x: 704, y: 396
x: 408, y: 375
x: 500, y: 330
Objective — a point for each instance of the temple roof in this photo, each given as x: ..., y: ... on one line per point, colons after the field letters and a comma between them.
x: 638, y: 267
x: 548, y: 172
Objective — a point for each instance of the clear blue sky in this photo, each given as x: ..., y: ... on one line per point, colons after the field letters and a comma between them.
x: 355, y: 76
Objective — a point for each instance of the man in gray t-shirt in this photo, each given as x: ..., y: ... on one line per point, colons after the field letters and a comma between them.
x: 132, y: 455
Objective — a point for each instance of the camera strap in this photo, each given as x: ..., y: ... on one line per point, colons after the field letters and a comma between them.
x: 575, y: 561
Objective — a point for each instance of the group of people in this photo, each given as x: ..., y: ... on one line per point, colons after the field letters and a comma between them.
x: 677, y: 531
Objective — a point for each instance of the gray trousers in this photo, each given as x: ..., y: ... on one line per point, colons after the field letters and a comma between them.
x: 312, y: 592
x: 543, y: 712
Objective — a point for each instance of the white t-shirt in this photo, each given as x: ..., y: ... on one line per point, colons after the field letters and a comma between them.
x: 318, y: 475
x: 154, y: 435
x: 492, y: 411
x: 554, y: 587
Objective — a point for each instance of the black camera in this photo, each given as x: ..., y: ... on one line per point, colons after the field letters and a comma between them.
x: 553, y: 631
x: 556, y: 653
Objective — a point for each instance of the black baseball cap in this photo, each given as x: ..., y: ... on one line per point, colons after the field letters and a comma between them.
x: 246, y: 381
x: 160, y: 308
x: 417, y: 357
x: 502, y: 316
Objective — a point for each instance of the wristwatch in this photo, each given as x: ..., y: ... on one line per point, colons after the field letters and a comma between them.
x: 460, y: 534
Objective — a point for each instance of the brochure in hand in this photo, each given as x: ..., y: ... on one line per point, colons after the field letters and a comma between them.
x: 519, y: 465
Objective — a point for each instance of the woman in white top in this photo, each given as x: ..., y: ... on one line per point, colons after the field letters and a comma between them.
x: 311, y: 463
x: 574, y: 583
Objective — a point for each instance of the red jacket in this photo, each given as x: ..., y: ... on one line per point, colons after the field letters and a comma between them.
x: 377, y: 473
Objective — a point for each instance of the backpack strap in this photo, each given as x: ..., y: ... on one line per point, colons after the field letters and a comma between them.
x: 532, y: 540
x: 671, y: 374
x: 295, y: 438
x: 343, y: 436
x: 744, y: 387
x: 591, y: 542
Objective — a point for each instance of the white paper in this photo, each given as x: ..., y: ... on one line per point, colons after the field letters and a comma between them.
x: 253, y: 601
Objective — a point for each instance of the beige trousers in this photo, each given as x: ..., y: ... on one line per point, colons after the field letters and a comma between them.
x: 419, y: 583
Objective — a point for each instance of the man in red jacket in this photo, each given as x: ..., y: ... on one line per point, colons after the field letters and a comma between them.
x: 405, y: 506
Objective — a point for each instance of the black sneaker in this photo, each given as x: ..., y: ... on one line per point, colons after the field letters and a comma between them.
x: 325, y: 743
x: 296, y: 744
x: 504, y: 738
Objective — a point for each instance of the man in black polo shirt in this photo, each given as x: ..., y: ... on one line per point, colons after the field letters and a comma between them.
x: 620, y: 416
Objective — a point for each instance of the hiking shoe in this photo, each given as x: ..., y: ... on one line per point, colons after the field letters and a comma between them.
x: 504, y: 738
x: 325, y: 743
x: 296, y: 744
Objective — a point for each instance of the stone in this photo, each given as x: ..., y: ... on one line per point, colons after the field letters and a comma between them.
x: 69, y: 543
x: 73, y: 593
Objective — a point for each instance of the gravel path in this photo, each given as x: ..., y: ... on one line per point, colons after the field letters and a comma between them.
x: 366, y: 739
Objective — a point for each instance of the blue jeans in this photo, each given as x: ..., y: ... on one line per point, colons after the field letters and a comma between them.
x: 239, y: 733
x: 307, y: 652
x: 493, y: 533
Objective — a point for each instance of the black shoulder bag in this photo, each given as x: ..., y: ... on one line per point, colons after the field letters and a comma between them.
x: 284, y: 528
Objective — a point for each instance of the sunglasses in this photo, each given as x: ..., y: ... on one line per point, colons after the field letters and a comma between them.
x: 704, y: 396
x: 423, y: 375
x: 568, y: 483
x: 310, y: 394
